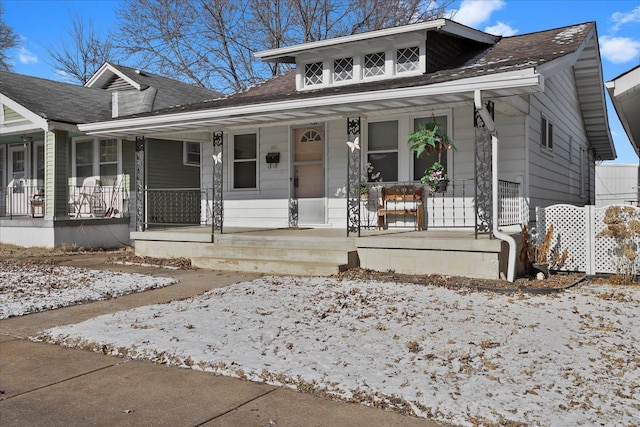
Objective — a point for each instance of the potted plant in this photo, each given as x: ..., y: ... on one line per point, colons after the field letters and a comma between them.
x: 429, y: 138
x: 436, y: 178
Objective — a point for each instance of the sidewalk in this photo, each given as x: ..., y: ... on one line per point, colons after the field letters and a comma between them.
x: 42, y: 384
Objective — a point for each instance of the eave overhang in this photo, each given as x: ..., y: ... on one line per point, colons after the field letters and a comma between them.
x: 30, y: 121
x: 316, y: 108
x: 624, y: 92
x: 288, y: 54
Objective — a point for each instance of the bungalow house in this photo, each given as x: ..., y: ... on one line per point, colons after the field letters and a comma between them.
x: 319, y: 159
x: 60, y: 186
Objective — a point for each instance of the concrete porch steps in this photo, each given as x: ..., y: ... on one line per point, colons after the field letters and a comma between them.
x: 271, y: 266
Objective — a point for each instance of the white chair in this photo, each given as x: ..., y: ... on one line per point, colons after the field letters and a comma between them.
x: 90, y: 196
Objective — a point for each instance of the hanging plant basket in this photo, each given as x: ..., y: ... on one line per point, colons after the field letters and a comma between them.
x: 429, y: 138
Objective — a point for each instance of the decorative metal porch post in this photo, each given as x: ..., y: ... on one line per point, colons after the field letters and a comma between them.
x: 483, y: 190
x: 217, y: 213
x: 354, y: 172
x: 140, y: 183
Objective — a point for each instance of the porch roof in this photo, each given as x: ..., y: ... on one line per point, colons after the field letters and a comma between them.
x: 50, y: 101
x: 510, y: 67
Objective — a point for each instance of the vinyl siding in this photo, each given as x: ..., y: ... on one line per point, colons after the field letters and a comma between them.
x: 57, y: 152
x: 555, y: 175
x: 165, y: 168
x: 10, y: 115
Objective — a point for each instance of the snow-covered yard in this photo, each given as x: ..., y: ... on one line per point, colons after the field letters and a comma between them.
x: 460, y: 357
x: 29, y: 288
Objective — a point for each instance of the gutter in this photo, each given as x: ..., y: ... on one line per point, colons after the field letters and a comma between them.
x: 491, y: 126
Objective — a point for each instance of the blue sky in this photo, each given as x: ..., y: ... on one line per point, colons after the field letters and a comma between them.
x: 44, y: 23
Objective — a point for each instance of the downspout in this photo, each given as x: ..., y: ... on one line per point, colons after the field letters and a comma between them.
x: 491, y: 126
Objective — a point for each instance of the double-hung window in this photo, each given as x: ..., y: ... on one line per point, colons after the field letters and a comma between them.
x: 382, y: 151
x: 108, y: 161
x: 546, y: 133
x: 245, y: 161
x: 191, y: 153
x: 426, y: 159
x: 84, y: 159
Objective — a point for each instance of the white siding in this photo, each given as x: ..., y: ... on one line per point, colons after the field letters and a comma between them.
x: 555, y: 176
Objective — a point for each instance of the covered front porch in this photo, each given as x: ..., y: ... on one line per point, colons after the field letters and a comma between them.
x: 327, y: 251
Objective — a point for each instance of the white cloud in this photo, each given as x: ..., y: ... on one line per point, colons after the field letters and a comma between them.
x: 621, y: 18
x: 475, y: 12
x: 501, y: 29
x: 619, y: 49
x: 26, y: 57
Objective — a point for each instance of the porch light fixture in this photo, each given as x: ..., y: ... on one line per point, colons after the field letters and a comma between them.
x: 26, y: 139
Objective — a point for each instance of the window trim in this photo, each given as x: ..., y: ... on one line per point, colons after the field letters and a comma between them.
x: 396, y: 63
x: 304, y: 74
x: 95, y: 157
x: 233, y: 161
x: 546, y: 133
x: 185, y: 153
x: 384, y: 67
x: 397, y: 150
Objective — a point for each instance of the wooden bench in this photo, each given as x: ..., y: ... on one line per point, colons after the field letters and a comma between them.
x: 401, y: 200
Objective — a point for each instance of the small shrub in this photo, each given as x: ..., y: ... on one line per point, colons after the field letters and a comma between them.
x: 623, y: 226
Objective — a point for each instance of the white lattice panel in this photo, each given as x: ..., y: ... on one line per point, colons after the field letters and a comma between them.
x: 569, y: 232
x: 576, y: 229
x: 604, y: 246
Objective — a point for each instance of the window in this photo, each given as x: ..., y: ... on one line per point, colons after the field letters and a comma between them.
x: 374, y: 64
x: 191, y: 153
x: 108, y: 160
x: 546, y: 133
x: 311, y: 135
x: 39, y: 161
x: 426, y: 160
x: 383, y: 149
x: 313, y: 74
x: 342, y: 69
x: 245, y: 161
x: 84, y: 159
x: 407, y: 59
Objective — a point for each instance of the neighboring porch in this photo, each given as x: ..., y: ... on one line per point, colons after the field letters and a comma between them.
x: 327, y: 251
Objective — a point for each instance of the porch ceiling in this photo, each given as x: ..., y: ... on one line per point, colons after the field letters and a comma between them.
x: 316, y: 109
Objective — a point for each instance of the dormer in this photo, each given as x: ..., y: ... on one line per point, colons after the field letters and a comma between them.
x: 398, y: 52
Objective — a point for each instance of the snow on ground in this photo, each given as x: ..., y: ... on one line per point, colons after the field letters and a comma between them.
x: 29, y: 288
x: 459, y: 357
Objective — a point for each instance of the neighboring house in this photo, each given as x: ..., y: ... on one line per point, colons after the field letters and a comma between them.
x: 624, y: 91
x: 617, y: 184
x: 58, y: 185
x: 276, y: 155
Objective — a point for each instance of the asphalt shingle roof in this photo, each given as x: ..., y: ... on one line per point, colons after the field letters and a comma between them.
x: 508, y: 54
x: 52, y: 100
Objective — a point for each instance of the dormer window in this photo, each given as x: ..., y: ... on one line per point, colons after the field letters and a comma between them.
x: 407, y: 59
x: 342, y: 69
x: 374, y: 64
x: 313, y: 74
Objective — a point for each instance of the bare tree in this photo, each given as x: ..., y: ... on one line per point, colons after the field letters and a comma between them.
x: 211, y: 43
x: 84, y: 54
x: 8, y: 40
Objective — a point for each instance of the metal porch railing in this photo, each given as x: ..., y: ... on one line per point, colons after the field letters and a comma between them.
x: 178, y: 206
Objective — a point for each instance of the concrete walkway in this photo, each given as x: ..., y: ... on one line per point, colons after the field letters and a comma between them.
x: 43, y: 384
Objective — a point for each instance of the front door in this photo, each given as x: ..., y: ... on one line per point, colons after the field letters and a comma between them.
x: 308, y: 179
x: 17, y: 193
